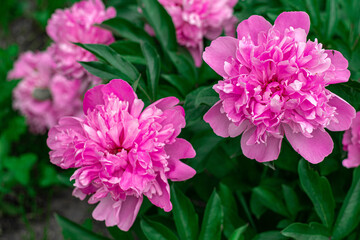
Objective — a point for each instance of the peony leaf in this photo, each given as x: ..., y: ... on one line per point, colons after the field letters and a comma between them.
x: 238, y: 234
x: 130, y: 51
x: 231, y: 217
x: 108, y: 55
x: 125, y: 28
x: 206, y: 96
x: 152, y: 67
x: 270, y: 200
x: 102, y: 70
x: 291, y: 200
x: 300, y: 231
x: 348, y: 218
x: 20, y: 167
x: 161, y: 23
x: 319, y: 191
x: 186, y: 219
x: 73, y: 231
x: 270, y: 235
x: 155, y: 230
x: 213, y: 219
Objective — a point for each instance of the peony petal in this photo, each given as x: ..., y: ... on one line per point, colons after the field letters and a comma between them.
x: 342, y: 74
x: 252, y: 27
x: 162, y: 200
x: 104, y: 211
x: 128, y: 212
x: 121, y: 89
x: 165, y: 103
x: 261, y: 152
x: 353, y: 159
x: 292, y: 19
x: 181, y: 149
x: 313, y: 149
x: 218, y: 52
x: 93, y: 97
x: 235, y: 131
x: 217, y: 120
x: 345, y: 114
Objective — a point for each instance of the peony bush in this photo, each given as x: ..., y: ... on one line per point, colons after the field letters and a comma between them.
x: 193, y: 119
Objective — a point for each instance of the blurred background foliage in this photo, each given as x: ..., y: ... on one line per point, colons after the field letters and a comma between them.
x: 231, y: 197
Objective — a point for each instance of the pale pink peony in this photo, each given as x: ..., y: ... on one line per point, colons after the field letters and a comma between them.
x: 122, y: 152
x: 42, y: 95
x: 351, y: 143
x: 76, y: 25
x: 274, y: 85
x: 196, y: 19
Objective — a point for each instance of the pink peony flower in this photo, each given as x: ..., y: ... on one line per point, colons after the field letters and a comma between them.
x: 351, y: 143
x: 76, y: 25
x: 43, y: 96
x: 274, y: 85
x: 122, y: 152
x: 197, y: 19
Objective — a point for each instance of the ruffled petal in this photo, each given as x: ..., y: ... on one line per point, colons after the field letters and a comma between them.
x: 252, y: 27
x: 292, y: 19
x: 345, y: 114
x: 218, y: 121
x: 92, y: 98
x: 313, y: 149
x: 121, y: 89
x: 181, y: 149
x: 261, y: 152
x: 218, y: 52
x: 342, y: 74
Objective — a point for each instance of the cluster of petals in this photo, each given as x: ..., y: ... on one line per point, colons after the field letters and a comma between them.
x: 122, y: 152
x: 274, y: 85
x: 351, y: 144
x: 43, y: 95
x: 196, y: 19
x: 76, y: 25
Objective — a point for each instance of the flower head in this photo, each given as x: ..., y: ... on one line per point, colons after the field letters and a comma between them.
x: 76, y: 25
x: 351, y: 143
x: 274, y: 85
x: 197, y: 19
x: 122, y: 151
x: 42, y: 95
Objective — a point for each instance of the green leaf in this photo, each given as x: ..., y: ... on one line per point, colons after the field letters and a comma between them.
x: 230, y: 209
x: 271, y: 235
x: 270, y: 200
x: 161, y: 22
x: 102, y: 70
x: 155, y: 230
x: 185, y: 66
x: 331, y: 17
x: 129, y: 50
x: 238, y: 234
x: 124, y: 28
x: 116, y: 233
x: 74, y: 231
x: 319, y: 191
x: 186, y: 219
x: 291, y: 200
x: 300, y: 231
x: 178, y: 82
x: 207, y: 96
x: 348, y: 218
x: 108, y: 55
x: 152, y: 66
x: 21, y: 167
x: 213, y: 219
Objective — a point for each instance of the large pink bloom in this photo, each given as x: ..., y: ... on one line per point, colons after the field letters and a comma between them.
x: 197, y: 19
x: 43, y: 96
x: 122, y: 152
x: 76, y: 25
x: 274, y: 85
x: 351, y: 143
